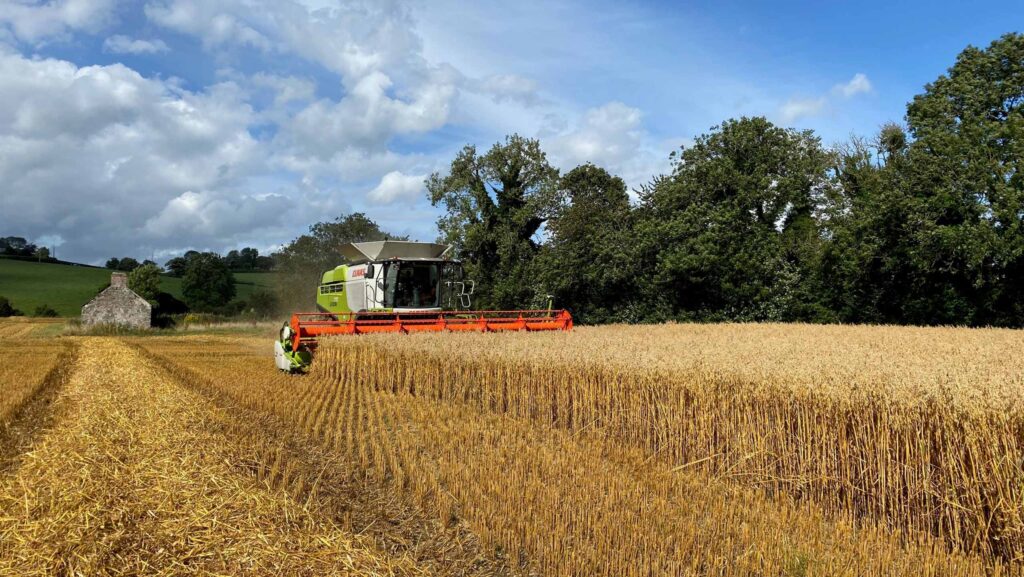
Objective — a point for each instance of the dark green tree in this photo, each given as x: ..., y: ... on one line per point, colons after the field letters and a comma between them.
x: 207, y: 284
x: 242, y: 260
x: 247, y: 258
x: 128, y: 264
x: 45, y: 311
x: 864, y: 274
x: 233, y: 261
x: 589, y: 263
x: 145, y: 281
x: 731, y: 233
x: 965, y: 169
x: 265, y: 263
x: 17, y: 246
x: 7, y: 309
x: 495, y: 204
x: 176, y: 266
x: 263, y: 303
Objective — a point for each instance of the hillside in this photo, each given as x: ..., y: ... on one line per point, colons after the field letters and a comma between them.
x: 67, y: 287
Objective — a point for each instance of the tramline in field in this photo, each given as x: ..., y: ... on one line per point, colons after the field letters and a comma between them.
x: 398, y: 287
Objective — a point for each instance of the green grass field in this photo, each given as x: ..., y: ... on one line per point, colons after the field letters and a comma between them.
x: 66, y: 288
x: 248, y: 282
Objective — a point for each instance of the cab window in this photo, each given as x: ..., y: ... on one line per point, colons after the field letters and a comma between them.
x: 411, y: 285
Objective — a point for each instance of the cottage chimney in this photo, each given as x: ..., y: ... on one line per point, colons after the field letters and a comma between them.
x: 119, y: 279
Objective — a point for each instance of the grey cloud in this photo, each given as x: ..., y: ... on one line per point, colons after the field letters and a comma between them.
x: 91, y: 153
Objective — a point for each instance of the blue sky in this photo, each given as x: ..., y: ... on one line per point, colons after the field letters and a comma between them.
x: 149, y: 128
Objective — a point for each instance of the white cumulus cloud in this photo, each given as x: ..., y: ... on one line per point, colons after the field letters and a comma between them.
x: 396, y: 186
x: 121, y: 44
x: 353, y: 38
x: 607, y: 135
x: 797, y: 108
x: 611, y: 136
x: 366, y: 118
x: 857, y: 85
x: 509, y: 88
x: 208, y: 215
x: 389, y: 90
x: 36, y: 22
x: 91, y: 153
x: 212, y: 23
x: 285, y: 88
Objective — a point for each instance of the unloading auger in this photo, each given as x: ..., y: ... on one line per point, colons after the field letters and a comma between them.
x: 398, y: 287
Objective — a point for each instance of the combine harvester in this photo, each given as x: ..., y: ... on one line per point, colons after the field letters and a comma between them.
x: 398, y: 287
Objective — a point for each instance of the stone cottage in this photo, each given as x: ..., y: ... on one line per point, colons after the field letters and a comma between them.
x: 118, y: 305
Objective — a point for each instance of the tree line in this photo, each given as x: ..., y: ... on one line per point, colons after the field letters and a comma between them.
x: 921, y: 223
x: 208, y: 284
x: 20, y: 248
x: 245, y: 260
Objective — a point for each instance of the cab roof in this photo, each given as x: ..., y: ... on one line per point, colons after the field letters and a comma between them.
x: 360, y: 252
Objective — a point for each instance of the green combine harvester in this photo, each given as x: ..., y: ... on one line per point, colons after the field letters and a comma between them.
x: 394, y: 286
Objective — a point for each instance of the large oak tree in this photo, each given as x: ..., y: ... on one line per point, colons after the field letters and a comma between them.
x: 495, y: 205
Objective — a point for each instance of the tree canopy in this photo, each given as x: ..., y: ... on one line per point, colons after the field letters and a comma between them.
x: 731, y: 232
x: 207, y: 284
x: 126, y: 264
x: 494, y: 205
x: 16, y: 246
x: 145, y: 281
x: 589, y: 259
x: 922, y: 222
x: 965, y: 172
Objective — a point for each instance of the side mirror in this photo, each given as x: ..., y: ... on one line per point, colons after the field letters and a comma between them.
x: 369, y: 270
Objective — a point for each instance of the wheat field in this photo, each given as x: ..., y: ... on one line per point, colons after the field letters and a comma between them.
x: 728, y: 449
x: 733, y: 450
x: 919, y: 428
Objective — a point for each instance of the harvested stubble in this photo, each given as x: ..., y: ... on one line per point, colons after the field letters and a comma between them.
x: 578, y: 502
x: 20, y: 327
x: 29, y: 366
x: 324, y: 480
x: 137, y: 478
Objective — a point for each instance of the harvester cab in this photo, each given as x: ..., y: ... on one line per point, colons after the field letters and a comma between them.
x: 395, y: 277
x: 397, y: 286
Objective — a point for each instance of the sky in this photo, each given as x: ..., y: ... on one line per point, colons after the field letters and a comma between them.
x: 152, y: 127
